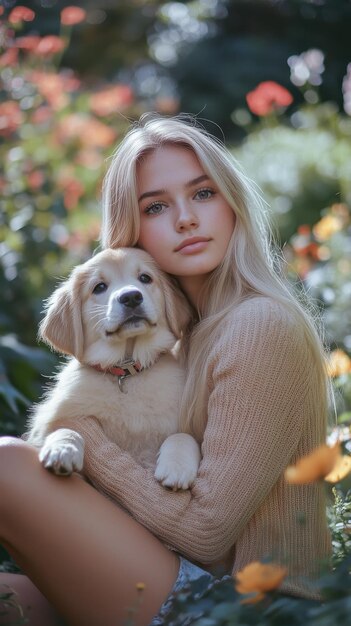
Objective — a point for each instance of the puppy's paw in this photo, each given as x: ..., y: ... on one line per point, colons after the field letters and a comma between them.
x: 178, y: 461
x: 62, y: 459
x: 63, y: 452
x: 175, y: 473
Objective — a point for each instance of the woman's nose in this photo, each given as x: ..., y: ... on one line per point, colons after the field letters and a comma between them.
x: 186, y: 219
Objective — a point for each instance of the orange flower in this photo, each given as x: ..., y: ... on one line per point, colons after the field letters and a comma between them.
x: 72, y: 15
x: 52, y: 87
x: 314, y: 466
x: 304, y: 229
x: 50, y: 44
x: 326, y: 227
x: 167, y: 105
x: 339, y: 363
x: 267, y: 97
x: 21, y: 14
x: 11, y: 117
x: 89, y: 158
x: 341, y: 210
x: 111, y: 100
x: 341, y: 469
x: 258, y: 578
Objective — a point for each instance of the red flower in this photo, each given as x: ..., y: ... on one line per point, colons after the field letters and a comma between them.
x: 72, y: 190
x: 21, y: 14
x: 72, y: 15
x: 304, y: 229
x: 89, y: 132
x: 29, y: 42
x: 35, y: 179
x: 110, y: 100
x: 41, y: 115
x: 55, y: 87
x: 11, y: 117
x: 267, y: 97
x: 50, y: 44
x: 9, y: 57
x: 52, y: 87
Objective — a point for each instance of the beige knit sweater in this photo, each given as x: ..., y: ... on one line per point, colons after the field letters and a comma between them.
x: 263, y: 414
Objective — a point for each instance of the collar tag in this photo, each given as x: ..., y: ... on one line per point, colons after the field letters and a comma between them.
x: 131, y: 366
x: 121, y: 371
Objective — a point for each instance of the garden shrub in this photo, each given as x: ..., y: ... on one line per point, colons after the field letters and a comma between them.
x: 55, y: 135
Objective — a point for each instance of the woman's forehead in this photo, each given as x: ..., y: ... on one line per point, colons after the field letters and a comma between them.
x: 168, y: 164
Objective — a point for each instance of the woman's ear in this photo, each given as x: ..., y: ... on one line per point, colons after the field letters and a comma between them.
x: 62, y: 326
x: 178, y: 310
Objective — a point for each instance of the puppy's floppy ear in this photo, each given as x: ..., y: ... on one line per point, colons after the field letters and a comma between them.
x: 62, y: 326
x: 178, y: 310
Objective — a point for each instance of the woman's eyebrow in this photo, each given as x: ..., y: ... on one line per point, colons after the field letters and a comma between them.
x: 159, y: 192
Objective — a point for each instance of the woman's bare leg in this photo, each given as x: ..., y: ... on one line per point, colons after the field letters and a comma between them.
x: 28, y: 603
x: 84, y: 553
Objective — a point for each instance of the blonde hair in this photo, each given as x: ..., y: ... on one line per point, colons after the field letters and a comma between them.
x: 250, y: 266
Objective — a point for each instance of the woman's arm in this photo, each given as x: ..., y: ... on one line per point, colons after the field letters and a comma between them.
x: 261, y: 374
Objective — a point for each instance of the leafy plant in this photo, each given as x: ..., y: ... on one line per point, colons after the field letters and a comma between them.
x: 55, y: 134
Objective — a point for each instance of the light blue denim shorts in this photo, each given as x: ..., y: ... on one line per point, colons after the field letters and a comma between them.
x: 187, y: 572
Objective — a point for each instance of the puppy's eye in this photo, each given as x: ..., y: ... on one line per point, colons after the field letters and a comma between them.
x: 99, y: 288
x: 145, y: 278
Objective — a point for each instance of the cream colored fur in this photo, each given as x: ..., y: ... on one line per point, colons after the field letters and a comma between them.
x: 92, y: 326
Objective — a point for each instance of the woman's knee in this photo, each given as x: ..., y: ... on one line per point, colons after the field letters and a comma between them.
x: 16, y: 457
x: 18, y: 469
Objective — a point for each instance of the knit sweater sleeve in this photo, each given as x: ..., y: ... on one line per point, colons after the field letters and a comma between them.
x: 259, y: 372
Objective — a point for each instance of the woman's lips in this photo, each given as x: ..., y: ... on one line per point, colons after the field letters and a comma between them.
x: 192, y: 245
x: 192, y: 248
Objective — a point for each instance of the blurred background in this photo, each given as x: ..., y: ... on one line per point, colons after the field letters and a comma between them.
x: 270, y: 77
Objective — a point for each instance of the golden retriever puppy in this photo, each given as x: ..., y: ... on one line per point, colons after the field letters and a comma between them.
x: 119, y: 317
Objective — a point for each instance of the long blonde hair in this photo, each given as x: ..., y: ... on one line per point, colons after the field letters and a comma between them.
x: 250, y: 266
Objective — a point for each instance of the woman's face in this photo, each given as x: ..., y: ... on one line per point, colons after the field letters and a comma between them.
x: 185, y: 223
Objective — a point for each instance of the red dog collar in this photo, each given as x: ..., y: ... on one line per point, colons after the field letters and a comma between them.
x: 130, y: 368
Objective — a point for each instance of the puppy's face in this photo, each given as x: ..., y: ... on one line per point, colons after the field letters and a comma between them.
x: 115, y: 295
x: 122, y: 296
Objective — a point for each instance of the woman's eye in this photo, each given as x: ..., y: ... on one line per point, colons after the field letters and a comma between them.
x: 145, y: 278
x: 99, y: 288
x: 204, y: 194
x: 155, y: 208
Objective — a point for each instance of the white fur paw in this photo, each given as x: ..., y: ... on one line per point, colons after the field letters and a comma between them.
x: 62, y: 459
x: 178, y: 461
x: 175, y: 473
x: 63, y: 452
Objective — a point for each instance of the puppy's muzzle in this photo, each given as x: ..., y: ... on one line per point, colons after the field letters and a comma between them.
x: 131, y: 301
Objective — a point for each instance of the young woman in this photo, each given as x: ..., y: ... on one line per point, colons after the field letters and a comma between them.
x: 255, y: 397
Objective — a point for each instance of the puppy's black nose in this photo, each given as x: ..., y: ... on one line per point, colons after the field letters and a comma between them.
x: 131, y: 298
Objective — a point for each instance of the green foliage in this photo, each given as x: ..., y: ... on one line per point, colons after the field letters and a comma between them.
x: 300, y: 169
x: 300, y: 160
x: 340, y: 524
x: 21, y: 369
x: 54, y: 137
x: 220, y: 605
